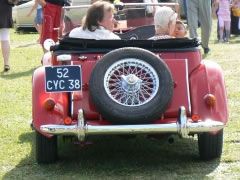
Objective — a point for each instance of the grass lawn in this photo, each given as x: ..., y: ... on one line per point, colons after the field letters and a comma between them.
x: 109, y: 158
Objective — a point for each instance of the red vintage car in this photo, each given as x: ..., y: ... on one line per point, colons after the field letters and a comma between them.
x: 129, y: 86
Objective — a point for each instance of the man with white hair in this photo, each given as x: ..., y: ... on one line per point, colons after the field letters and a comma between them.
x: 200, y: 10
x: 164, y: 21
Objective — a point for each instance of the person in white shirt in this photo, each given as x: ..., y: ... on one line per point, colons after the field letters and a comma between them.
x: 98, y: 23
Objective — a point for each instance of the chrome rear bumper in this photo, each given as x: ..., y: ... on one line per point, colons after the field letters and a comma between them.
x: 182, y: 127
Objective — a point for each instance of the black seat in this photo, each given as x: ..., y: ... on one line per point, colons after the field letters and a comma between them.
x: 139, y: 33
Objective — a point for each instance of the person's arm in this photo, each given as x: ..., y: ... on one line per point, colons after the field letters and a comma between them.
x: 230, y: 2
x: 42, y: 2
x: 33, y: 8
x: 214, y: 9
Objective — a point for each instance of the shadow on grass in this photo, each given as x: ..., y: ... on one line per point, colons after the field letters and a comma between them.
x: 27, y: 45
x: 30, y: 30
x: 10, y: 75
x: 225, y: 43
x: 117, y: 158
x: 234, y: 39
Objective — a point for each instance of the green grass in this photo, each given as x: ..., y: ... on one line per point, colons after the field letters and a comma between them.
x: 109, y: 157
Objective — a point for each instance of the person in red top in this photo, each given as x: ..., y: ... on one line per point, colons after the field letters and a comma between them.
x: 51, y: 18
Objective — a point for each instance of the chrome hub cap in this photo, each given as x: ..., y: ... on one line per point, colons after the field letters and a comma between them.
x: 130, y: 83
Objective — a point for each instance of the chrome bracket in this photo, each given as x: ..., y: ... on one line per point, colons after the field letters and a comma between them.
x: 81, y: 126
x: 182, y: 125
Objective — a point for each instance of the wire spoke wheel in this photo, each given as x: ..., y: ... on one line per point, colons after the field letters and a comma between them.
x: 131, y: 82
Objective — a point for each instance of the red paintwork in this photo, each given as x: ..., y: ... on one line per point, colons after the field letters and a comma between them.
x: 178, y: 69
x: 39, y: 113
x: 136, y: 22
x: 208, y: 79
x: 193, y: 79
x: 193, y: 58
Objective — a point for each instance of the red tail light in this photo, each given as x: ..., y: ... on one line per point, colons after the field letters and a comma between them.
x: 67, y: 121
x: 210, y: 100
x: 49, y: 104
x: 195, y: 117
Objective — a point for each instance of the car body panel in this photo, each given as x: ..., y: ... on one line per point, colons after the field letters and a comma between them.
x: 20, y: 15
x: 208, y: 79
x: 188, y: 91
x: 20, y: 12
x: 181, y: 91
x: 39, y: 96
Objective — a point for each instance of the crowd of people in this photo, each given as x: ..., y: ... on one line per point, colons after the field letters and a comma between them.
x: 99, y: 21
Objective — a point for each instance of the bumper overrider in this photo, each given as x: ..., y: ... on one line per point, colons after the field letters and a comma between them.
x: 182, y: 127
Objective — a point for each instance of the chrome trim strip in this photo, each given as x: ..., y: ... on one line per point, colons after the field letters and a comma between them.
x: 126, y: 4
x: 183, y: 127
x: 72, y: 101
x: 64, y: 57
x: 188, y: 88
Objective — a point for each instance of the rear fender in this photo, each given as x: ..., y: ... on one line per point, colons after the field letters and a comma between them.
x: 208, y: 79
x: 40, y: 115
x: 46, y: 60
x: 49, y: 59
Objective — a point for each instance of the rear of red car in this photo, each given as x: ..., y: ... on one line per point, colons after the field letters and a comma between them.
x: 128, y: 87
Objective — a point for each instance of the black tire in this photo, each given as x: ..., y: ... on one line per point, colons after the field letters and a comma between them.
x: 121, y: 114
x: 210, y: 146
x: 46, y: 149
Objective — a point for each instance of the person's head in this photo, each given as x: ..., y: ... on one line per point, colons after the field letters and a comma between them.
x: 180, y: 29
x: 99, y: 13
x: 165, y: 20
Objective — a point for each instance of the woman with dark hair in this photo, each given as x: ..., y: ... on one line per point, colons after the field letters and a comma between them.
x: 6, y: 22
x: 98, y: 23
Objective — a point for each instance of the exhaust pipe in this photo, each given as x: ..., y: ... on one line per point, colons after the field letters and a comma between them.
x: 171, y: 140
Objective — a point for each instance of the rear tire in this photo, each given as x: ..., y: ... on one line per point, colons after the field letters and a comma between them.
x: 210, y: 145
x: 46, y: 149
x: 123, y: 102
